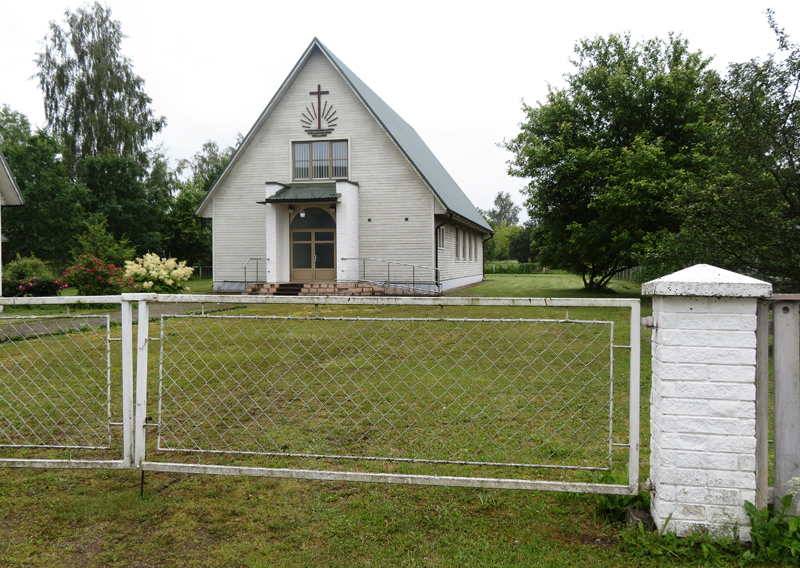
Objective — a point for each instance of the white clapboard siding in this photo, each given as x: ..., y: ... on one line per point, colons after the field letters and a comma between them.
x: 453, y: 268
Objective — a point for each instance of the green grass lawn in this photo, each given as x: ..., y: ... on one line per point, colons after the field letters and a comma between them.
x: 97, y: 518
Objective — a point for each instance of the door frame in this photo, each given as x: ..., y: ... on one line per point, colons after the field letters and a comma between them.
x: 314, y: 274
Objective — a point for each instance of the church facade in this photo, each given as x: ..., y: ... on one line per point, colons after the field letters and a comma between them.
x: 330, y: 184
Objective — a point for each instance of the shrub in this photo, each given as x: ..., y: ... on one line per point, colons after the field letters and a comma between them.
x: 508, y: 268
x: 25, y: 268
x: 90, y: 276
x: 154, y: 275
x: 97, y: 241
x: 35, y: 286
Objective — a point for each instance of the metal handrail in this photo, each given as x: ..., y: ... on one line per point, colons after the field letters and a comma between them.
x: 389, y: 263
x: 392, y: 262
x: 244, y: 267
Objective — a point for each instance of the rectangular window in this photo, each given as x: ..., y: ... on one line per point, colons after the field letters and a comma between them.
x: 339, y: 153
x: 440, y: 237
x: 474, y: 246
x: 320, y: 160
x: 458, y: 244
x: 301, y: 161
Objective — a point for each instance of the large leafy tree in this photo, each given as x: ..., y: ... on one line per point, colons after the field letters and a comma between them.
x: 116, y: 194
x: 741, y: 210
x: 605, y: 153
x: 15, y: 128
x: 52, y: 213
x: 504, y: 210
x: 187, y: 236
x: 94, y: 102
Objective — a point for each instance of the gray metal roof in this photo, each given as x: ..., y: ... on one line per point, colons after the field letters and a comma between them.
x: 8, y: 185
x: 407, y: 139
x: 305, y: 192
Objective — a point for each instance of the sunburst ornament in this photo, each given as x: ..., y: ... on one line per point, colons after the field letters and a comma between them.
x: 314, y: 118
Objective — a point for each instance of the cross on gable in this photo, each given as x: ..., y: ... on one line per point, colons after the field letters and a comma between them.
x: 319, y: 92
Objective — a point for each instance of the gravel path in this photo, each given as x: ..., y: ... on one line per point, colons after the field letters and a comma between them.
x: 17, y: 326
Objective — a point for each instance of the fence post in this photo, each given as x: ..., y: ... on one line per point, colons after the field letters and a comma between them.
x: 787, y: 395
x: 142, y: 341
x: 762, y: 405
x: 702, y: 402
x: 127, y: 383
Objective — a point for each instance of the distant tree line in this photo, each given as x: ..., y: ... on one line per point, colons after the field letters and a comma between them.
x: 91, y: 180
x: 650, y: 158
x: 510, y: 241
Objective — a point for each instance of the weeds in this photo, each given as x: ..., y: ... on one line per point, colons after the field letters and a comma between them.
x: 697, y: 547
x: 775, y: 533
x: 613, y: 507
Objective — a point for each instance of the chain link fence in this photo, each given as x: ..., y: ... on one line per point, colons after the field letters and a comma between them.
x: 56, y: 382
x: 522, y: 393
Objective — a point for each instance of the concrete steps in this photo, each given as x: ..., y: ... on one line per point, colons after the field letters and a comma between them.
x: 325, y: 289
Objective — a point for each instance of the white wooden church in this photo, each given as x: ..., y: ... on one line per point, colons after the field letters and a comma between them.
x: 331, y: 185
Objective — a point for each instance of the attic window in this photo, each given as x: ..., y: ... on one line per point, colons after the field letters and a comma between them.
x: 319, y: 160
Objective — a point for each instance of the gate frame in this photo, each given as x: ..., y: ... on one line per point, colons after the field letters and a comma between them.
x: 632, y: 487
x: 134, y: 416
x: 126, y: 462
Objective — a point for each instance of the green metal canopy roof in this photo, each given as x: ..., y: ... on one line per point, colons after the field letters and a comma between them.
x: 305, y: 192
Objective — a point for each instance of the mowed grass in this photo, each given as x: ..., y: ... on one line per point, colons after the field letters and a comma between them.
x: 97, y: 518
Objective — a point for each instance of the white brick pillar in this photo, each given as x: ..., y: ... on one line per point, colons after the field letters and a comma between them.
x: 702, y: 402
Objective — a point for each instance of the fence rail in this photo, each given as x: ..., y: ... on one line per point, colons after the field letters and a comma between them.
x: 302, y: 394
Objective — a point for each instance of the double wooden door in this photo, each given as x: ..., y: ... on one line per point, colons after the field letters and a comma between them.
x: 313, y: 255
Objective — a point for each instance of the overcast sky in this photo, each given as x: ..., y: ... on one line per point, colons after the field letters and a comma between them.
x: 455, y: 71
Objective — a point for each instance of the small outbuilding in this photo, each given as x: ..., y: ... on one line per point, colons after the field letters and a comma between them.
x: 331, y: 185
x: 10, y: 196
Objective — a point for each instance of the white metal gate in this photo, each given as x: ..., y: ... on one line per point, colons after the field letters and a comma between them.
x: 394, y: 390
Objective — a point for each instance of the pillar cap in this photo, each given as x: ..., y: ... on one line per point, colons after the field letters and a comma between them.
x: 707, y: 280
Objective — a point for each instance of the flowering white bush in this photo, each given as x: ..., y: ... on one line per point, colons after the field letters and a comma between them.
x: 154, y: 275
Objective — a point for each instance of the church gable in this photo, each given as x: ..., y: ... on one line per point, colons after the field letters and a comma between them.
x: 315, y: 105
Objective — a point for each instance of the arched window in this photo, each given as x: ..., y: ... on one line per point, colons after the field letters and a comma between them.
x: 315, y: 218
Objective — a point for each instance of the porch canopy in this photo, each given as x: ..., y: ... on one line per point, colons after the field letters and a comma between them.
x: 304, y: 193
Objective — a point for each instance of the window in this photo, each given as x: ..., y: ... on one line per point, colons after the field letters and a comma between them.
x: 458, y: 244
x: 320, y: 160
x: 474, y: 242
x: 440, y: 237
